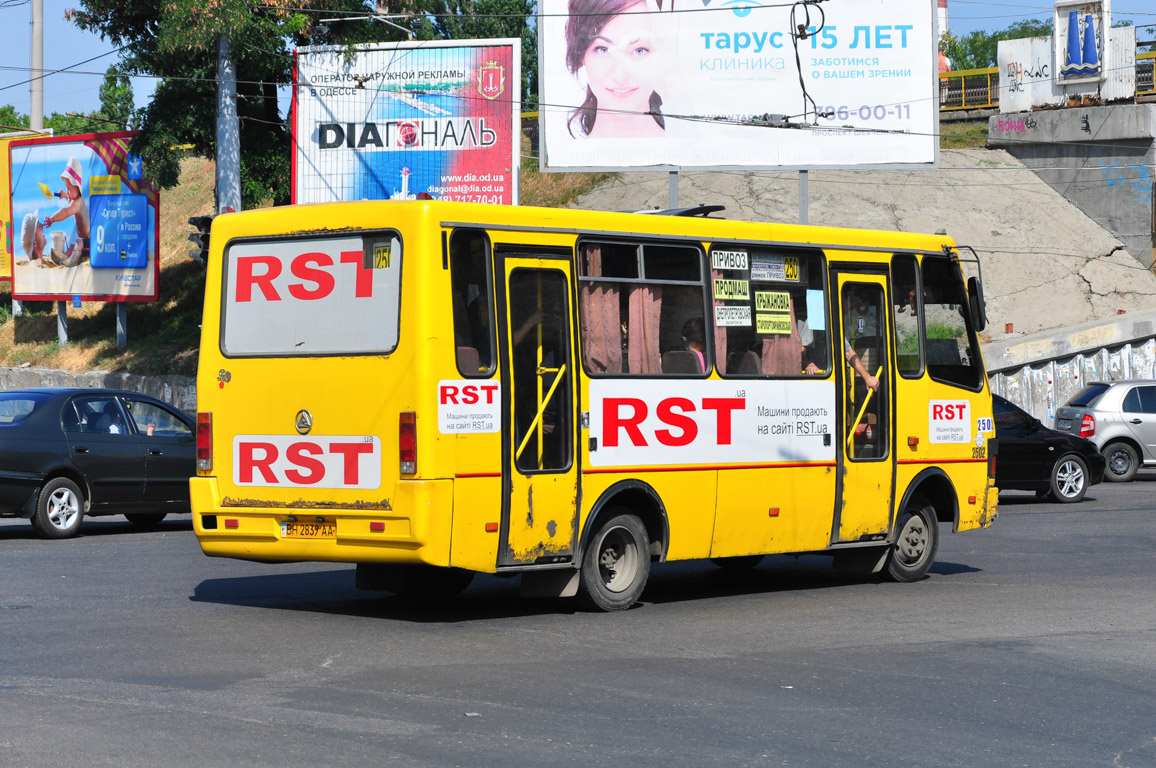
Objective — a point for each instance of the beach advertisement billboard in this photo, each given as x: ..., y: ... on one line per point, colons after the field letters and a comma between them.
x: 85, y: 223
x: 404, y: 121
x: 669, y: 84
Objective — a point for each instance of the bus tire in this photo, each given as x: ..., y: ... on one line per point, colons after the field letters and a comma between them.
x: 738, y: 563
x: 916, y: 540
x: 616, y: 564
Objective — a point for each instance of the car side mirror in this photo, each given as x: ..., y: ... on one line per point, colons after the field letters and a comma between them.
x: 977, y: 305
x: 1036, y: 425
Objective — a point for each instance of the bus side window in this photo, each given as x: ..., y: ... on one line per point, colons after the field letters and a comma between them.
x: 641, y: 309
x: 905, y: 298
x: 472, y: 306
x: 948, y: 337
x: 770, y: 311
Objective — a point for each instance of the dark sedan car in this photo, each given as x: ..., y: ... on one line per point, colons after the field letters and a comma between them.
x: 1034, y: 458
x: 67, y: 453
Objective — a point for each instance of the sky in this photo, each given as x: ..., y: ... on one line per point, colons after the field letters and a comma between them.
x: 66, y: 46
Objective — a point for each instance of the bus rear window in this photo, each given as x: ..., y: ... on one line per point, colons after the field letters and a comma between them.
x: 308, y: 297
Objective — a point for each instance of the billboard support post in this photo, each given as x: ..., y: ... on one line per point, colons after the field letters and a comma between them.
x: 803, y: 197
x: 62, y: 323
x: 672, y: 190
x: 121, y: 326
x: 228, y: 132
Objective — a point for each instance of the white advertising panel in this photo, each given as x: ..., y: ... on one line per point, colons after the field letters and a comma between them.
x: 647, y: 422
x: 678, y: 83
x: 469, y: 407
x: 314, y: 296
x: 404, y: 121
x: 307, y: 461
x: 949, y: 421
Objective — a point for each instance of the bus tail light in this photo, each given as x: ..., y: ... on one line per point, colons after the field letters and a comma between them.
x: 407, y: 442
x: 204, y: 441
x: 1088, y: 425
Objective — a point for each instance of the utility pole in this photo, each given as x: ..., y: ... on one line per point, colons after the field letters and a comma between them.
x: 228, y: 132
x: 35, y: 91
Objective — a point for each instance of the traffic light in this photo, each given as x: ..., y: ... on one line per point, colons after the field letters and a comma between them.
x: 200, y: 238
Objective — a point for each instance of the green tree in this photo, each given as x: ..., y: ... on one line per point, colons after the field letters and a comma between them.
x: 177, y: 41
x: 477, y: 19
x: 11, y: 119
x: 116, y: 99
x: 979, y: 49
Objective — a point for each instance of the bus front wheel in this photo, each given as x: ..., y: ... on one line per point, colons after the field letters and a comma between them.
x: 616, y: 564
x: 916, y: 540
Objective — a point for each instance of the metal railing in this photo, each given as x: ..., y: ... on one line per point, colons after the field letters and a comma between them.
x: 969, y: 89
x: 979, y: 88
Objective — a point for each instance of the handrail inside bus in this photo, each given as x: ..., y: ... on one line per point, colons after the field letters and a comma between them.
x: 536, y: 423
x: 855, y: 424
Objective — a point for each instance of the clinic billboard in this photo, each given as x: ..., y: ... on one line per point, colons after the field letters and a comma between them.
x: 433, y: 120
x: 665, y: 84
x: 85, y: 222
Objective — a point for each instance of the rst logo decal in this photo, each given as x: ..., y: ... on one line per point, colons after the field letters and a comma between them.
x: 316, y: 461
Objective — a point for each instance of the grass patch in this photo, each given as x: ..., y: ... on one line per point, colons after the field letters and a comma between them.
x: 553, y: 190
x: 963, y: 135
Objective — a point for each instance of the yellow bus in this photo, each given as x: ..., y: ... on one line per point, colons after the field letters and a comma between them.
x: 432, y: 390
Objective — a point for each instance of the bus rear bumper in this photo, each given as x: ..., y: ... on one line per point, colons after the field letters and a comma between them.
x: 413, y: 527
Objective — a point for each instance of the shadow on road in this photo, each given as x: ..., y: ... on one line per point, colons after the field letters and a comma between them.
x: 496, y: 597
x: 93, y: 527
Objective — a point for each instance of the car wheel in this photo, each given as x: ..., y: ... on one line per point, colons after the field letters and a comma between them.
x: 739, y: 563
x: 1122, y: 462
x: 142, y: 520
x: 616, y: 564
x: 1069, y: 479
x: 916, y: 540
x: 59, y: 509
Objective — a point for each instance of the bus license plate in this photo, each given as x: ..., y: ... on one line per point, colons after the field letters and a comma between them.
x: 299, y: 530
x: 1064, y: 424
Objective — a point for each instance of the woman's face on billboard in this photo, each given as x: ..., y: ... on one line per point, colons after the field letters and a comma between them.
x: 620, y: 61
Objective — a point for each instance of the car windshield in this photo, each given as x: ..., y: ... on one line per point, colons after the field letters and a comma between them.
x: 1088, y: 395
x: 15, y: 406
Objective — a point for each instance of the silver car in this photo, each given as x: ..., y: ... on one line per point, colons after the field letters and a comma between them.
x: 1120, y: 418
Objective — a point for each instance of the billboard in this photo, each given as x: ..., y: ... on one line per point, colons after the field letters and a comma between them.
x: 407, y: 120
x: 85, y: 223
x: 665, y: 84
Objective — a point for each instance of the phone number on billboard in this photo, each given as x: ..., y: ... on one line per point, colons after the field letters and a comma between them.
x: 489, y: 199
x: 867, y: 112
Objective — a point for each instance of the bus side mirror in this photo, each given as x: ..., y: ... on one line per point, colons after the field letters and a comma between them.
x: 977, y: 304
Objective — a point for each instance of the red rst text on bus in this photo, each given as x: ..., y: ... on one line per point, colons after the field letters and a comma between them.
x: 671, y: 411
x: 308, y: 267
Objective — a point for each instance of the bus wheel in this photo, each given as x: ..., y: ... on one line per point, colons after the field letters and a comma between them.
x: 616, y: 564
x: 740, y: 563
x: 916, y: 540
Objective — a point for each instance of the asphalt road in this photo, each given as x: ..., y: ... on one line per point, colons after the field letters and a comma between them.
x: 1032, y: 643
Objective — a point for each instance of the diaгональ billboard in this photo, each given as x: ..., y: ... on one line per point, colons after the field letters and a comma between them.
x: 405, y: 121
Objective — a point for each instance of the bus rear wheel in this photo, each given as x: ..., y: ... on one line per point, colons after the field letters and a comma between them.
x: 916, y: 540
x: 616, y: 564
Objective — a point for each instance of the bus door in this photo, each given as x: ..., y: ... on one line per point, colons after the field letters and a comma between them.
x: 540, y: 477
x: 866, y: 462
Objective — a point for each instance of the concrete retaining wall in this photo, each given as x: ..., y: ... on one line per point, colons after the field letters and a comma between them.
x: 1099, y: 158
x: 1042, y: 371
x: 181, y: 391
